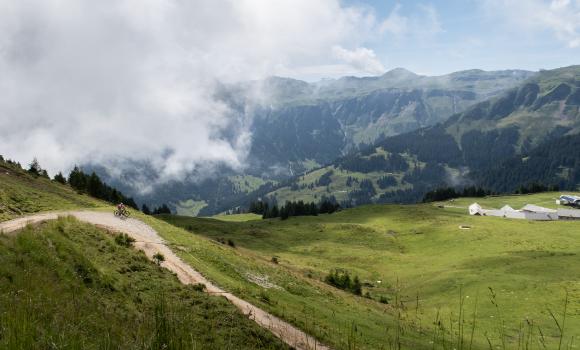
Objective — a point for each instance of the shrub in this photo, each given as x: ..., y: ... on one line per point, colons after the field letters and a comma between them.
x: 200, y: 287
x: 275, y: 260
x: 124, y: 240
x: 231, y: 243
x: 158, y: 258
x: 340, y: 279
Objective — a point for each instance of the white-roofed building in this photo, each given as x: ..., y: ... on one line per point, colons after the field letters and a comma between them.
x: 475, y: 209
x: 537, y: 209
x: 529, y: 212
x: 569, y: 214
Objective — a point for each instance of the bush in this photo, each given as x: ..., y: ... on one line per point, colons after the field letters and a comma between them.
x: 340, y: 279
x: 275, y: 260
x: 124, y: 240
x: 231, y: 243
x: 158, y: 258
x: 200, y: 287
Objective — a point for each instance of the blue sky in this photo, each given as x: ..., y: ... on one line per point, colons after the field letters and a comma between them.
x: 444, y: 36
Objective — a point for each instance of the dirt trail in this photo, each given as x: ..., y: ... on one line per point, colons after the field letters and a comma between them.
x: 150, y: 242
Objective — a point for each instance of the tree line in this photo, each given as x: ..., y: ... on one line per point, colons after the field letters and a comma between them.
x: 446, y: 193
x: 294, y: 208
x: 163, y: 209
x: 95, y: 187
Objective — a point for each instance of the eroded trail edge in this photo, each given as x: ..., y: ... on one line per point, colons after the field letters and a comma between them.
x: 150, y: 243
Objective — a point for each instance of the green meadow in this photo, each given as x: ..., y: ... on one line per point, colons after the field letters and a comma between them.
x: 431, y: 264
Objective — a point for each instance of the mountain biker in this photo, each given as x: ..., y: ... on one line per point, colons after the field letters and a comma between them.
x: 121, y: 207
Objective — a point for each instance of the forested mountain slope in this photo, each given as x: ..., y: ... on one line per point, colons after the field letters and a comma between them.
x: 526, y: 134
x: 320, y: 122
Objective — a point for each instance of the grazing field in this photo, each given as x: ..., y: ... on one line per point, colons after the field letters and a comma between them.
x: 429, y: 263
x: 63, y: 283
x: 238, y: 217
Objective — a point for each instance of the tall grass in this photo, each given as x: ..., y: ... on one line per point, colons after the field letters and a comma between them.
x: 462, y: 331
x: 66, y: 285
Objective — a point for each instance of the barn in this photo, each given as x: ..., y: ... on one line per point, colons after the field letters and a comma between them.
x: 528, y: 212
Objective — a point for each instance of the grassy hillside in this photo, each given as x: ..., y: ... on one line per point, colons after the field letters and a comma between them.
x: 421, y: 260
x: 21, y: 193
x: 63, y: 282
x: 67, y: 285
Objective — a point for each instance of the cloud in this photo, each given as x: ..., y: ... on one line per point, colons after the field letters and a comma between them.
x: 362, y: 59
x: 395, y: 23
x: 115, y: 82
x: 423, y: 23
x: 559, y: 17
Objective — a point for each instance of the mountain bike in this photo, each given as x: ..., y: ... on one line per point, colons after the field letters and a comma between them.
x: 122, y: 213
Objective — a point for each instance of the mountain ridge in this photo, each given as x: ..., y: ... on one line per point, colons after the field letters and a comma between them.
x: 508, y: 127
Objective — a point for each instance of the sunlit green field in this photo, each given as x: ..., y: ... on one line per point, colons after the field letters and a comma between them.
x: 238, y: 217
x: 426, y: 256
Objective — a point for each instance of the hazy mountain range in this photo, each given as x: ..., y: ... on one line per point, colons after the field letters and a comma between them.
x: 454, y: 129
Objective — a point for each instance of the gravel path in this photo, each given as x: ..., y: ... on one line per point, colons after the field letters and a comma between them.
x: 150, y: 242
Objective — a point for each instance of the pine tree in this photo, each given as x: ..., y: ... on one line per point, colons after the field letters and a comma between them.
x: 60, y: 178
x: 145, y: 209
x: 34, y: 167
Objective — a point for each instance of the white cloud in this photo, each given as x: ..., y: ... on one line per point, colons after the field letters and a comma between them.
x: 110, y: 80
x: 362, y: 59
x: 395, y: 23
x: 423, y: 23
x: 560, y: 17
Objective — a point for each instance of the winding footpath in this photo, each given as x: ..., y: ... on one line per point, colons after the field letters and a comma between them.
x: 151, y: 243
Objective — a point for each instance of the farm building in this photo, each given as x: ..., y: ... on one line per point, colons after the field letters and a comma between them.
x: 528, y: 212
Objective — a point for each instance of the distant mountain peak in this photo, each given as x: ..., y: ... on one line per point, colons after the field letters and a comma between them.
x: 399, y: 73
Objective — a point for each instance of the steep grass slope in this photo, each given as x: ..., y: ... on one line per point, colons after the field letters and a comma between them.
x: 67, y: 285
x: 21, y: 193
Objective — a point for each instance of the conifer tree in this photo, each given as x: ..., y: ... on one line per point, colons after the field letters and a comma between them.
x: 60, y: 178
